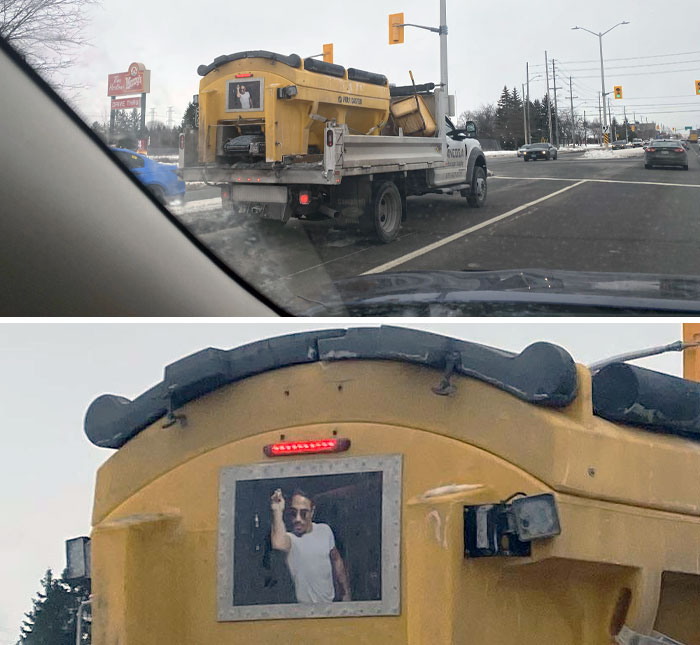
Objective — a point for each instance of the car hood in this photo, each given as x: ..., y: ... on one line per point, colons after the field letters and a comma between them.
x: 509, y: 292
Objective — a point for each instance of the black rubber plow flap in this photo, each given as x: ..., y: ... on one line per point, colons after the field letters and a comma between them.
x: 543, y: 374
x: 652, y: 400
x: 293, y: 60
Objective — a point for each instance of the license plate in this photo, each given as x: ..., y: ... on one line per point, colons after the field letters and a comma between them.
x: 664, y: 152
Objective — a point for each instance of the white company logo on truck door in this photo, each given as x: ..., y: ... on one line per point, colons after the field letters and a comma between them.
x: 456, y: 170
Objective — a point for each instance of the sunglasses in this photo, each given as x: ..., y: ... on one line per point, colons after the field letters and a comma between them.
x: 303, y: 513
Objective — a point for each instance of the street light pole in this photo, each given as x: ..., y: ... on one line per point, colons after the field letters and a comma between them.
x: 602, y: 66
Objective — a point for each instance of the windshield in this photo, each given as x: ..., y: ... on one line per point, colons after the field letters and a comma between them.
x: 306, y: 157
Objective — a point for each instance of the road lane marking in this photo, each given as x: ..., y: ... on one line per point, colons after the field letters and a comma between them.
x: 468, y: 231
x: 601, y: 181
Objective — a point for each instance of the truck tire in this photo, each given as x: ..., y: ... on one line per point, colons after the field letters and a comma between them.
x: 479, y: 191
x: 385, y: 212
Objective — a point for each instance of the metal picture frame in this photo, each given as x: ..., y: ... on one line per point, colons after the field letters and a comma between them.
x: 257, y: 84
x: 390, y: 468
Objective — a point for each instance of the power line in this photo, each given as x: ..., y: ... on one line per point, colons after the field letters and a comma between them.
x: 675, y: 62
x: 670, y: 71
x: 580, y: 62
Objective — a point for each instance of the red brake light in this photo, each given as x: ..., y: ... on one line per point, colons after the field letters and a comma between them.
x: 284, y: 448
x: 330, y: 138
x: 651, y: 149
x: 304, y: 199
x: 246, y: 75
x: 182, y: 142
x: 679, y: 150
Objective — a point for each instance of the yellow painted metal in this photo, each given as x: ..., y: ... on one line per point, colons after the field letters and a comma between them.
x: 396, y: 29
x: 288, y: 124
x: 691, y: 357
x: 413, y: 116
x: 629, y: 503
x: 328, y: 53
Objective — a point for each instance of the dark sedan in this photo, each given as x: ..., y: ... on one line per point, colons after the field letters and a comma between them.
x: 540, y: 151
x: 665, y: 153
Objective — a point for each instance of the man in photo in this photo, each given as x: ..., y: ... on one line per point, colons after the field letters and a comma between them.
x: 315, y: 565
x: 243, y: 96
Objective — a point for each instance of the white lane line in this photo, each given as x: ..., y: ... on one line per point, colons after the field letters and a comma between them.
x: 603, y: 181
x: 468, y: 231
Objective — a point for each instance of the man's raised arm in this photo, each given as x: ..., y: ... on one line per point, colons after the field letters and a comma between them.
x: 278, y: 535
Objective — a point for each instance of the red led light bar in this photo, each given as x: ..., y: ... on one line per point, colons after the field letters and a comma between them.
x: 313, y: 447
x: 246, y: 75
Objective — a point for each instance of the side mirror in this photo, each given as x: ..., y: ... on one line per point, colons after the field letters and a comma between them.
x: 470, y: 129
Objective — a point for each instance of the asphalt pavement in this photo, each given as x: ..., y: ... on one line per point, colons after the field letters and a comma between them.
x: 574, y: 214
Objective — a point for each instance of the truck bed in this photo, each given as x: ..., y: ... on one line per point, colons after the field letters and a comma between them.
x: 360, y: 155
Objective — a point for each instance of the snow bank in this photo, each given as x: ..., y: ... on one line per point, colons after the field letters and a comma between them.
x: 614, y: 154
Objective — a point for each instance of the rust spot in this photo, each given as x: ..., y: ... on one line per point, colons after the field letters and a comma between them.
x: 624, y: 599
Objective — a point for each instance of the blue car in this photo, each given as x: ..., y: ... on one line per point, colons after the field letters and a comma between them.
x: 161, y: 179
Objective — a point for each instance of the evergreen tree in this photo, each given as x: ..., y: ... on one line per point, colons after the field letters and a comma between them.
x: 52, y: 620
x: 503, y: 119
x: 188, y: 119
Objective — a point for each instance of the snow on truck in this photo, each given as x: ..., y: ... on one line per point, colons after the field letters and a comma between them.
x: 290, y: 137
x: 388, y: 485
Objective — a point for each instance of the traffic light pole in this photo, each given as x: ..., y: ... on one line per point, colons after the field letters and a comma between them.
x: 444, y: 91
x: 442, y: 104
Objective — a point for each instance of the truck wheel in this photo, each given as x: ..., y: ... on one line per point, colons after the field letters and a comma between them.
x: 477, y: 198
x: 384, y: 215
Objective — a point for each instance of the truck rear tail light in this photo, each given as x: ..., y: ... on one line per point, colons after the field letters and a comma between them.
x: 304, y: 198
x: 315, y: 446
x: 225, y: 194
x: 182, y: 142
x: 330, y: 138
x: 244, y: 75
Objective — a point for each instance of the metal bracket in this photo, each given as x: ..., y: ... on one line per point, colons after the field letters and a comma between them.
x: 445, y: 388
x: 172, y: 418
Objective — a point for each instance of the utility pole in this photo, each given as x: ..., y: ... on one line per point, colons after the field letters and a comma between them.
x: 600, y: 120
x: 573, y: 118
x: 556, y: 108
x: 524, y: 116
x: 529, y: 129
x: 626, y: 131
x: 549, y: 101
x: 585, y: 129
x: 170, y: 116
x: 153, y: 117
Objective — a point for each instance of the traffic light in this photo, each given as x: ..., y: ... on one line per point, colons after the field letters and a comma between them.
x: 396, y: 29
x: 691, y: 357
x: 697, y: 87
x: 328, y: 53
x: 618, y: 91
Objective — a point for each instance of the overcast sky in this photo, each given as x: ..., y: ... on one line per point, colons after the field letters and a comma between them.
x: 52, y: 372
x: 489, y: 44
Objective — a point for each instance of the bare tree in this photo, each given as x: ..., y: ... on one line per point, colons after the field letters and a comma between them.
x: 47, y: 33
